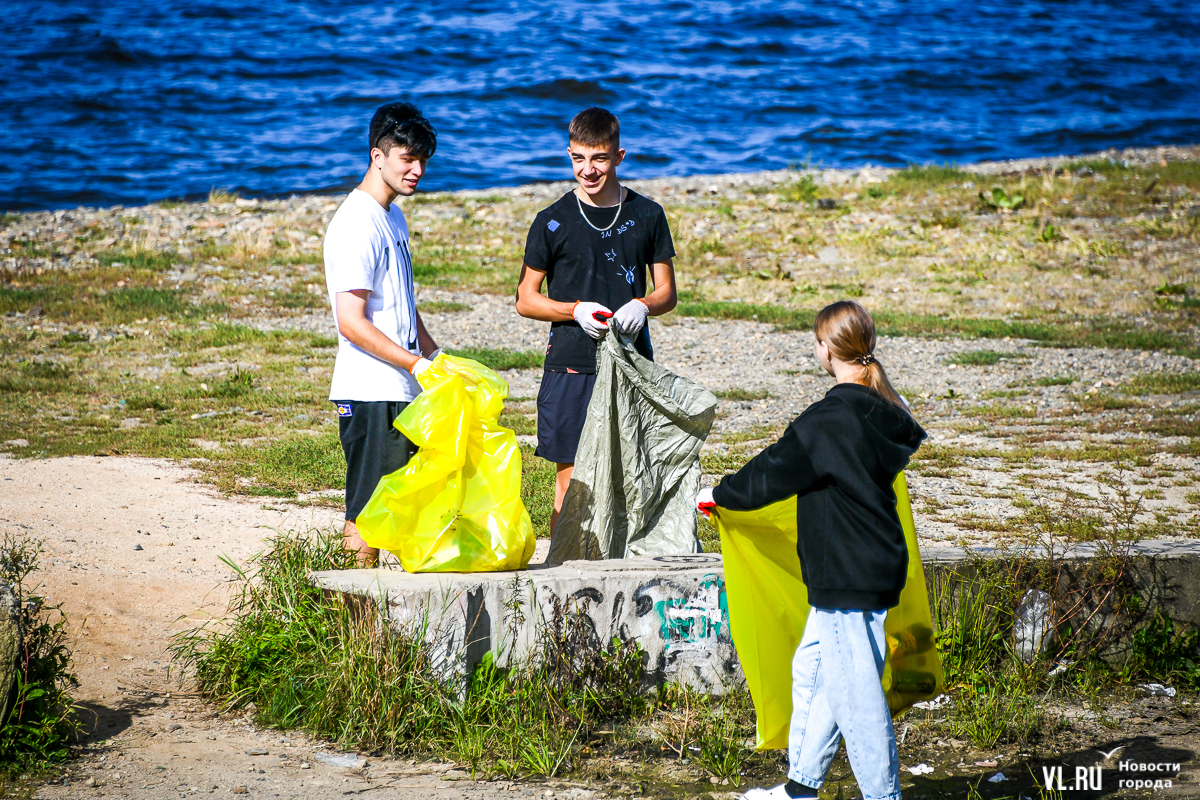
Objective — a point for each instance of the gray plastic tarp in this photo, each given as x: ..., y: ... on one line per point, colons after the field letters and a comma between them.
x: 637, y: 470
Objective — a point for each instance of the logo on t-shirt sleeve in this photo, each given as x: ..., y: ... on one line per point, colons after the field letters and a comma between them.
x: 345, y: 410
x: 552, y: 225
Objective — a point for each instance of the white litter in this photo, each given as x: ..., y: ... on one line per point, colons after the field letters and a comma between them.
x: 1157, y: 689
x: 1059, y: 668
x: 997, y: 778
x: 349, y: 760
x: 920, y: 769
x: 937, y: 702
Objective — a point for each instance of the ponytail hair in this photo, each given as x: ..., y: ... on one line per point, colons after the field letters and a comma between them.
x: 848, y: 331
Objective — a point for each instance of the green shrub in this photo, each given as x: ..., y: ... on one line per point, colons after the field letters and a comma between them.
x: 37, y: 727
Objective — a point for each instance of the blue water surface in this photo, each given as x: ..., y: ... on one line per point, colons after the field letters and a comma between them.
x: 130, y: 101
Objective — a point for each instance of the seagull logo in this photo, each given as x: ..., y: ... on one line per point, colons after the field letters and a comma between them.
x: 1110, y: 753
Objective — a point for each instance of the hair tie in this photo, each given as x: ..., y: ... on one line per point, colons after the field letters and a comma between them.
x: 866, y: 360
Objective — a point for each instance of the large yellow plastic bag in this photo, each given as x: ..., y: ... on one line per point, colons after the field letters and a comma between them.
x: 456, y: 505
x: 768, y: 606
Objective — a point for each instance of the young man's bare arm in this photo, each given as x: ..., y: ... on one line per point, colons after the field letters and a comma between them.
x: 664, y: 297
x: 424, y: 341
x: 531, y: 303
x: 354, y: 325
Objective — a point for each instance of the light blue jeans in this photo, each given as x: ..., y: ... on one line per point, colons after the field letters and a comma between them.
x: 836, y: 693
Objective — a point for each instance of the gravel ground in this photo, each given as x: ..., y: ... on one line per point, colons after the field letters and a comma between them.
x: 732, y: 355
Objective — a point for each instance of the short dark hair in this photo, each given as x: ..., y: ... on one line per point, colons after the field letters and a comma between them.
x: 595, y: 127
x: 401, y: 124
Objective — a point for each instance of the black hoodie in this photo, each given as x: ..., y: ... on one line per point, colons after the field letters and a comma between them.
x: 839, y: 458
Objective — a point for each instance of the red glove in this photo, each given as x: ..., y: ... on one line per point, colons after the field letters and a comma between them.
x: 705, y: 503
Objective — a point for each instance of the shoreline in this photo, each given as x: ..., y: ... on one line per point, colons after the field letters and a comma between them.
x: 833, y: 176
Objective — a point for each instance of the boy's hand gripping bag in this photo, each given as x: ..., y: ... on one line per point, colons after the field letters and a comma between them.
x: 768, y: 606
x: 456, y: 505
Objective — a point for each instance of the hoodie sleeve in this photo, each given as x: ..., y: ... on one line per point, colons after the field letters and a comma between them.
x: 782, y: 470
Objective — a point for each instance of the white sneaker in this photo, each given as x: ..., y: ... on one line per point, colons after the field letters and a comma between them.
x: 774, y: 793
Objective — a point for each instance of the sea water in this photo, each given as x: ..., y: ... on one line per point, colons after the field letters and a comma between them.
x: 128, y: 101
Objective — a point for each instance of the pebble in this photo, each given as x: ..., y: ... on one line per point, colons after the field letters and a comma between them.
x: 137, y: 547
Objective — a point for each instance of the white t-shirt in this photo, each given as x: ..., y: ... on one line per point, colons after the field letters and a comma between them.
x: 366, y: 247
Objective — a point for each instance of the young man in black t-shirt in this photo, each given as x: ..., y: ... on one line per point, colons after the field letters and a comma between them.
x: 593, y: 246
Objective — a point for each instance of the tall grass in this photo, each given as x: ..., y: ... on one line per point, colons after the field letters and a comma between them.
x: 327, y: 665
x: 1100, y: 634
x: 39, y: 721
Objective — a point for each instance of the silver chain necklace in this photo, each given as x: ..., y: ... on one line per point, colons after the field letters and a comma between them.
x: 620, y: 201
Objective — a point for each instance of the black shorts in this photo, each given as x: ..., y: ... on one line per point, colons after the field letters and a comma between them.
x: 561, y: 409
x: 373, y: 447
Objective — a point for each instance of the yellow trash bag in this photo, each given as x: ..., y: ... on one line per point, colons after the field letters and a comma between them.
x: 456, y: 505
x: 768, y: 606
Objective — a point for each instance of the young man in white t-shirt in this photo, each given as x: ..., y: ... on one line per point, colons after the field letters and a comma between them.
x: 382, y: 342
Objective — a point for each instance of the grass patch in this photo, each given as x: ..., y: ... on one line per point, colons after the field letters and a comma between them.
x: 500, y: 359
x: 1000, y: 412
x: 1102, y: 401
x: 742, y: 394
x: 1055, y: 380
x: 724, y: 463
x: 537, y: 490
x: 35, y: 377
x: 442, y: 307
x: 1078, y: 333
x: 149, y: 260
x: 226, y: 335
x: 919, y: 178
x: 981, y: 358
x: 521, y: 424
x: 283, y: 468
x: 1164, y: 383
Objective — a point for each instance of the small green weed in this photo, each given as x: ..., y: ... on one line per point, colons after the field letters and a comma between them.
x: 1000, y: 200
x: 1056, y: 380
x: 1171, y: 289
x: 802, y: 190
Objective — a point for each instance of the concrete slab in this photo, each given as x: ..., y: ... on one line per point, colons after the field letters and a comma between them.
x: 673, y: 606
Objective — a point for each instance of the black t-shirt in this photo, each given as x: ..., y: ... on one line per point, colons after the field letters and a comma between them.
x: 606, y: 267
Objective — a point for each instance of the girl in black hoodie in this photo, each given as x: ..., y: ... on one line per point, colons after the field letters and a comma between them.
x: 839, y: 458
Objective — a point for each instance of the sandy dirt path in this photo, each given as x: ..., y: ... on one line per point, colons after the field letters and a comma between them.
x: 146, y: 736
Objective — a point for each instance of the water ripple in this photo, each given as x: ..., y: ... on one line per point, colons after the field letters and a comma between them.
x: 126, y: 102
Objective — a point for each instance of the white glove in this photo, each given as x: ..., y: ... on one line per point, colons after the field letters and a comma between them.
x: 631, y: 317
x: 592, y: 317
x: 705, y: 503
x: 421, y: 365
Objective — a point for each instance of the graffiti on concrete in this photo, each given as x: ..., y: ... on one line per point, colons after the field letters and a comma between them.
x: 695, y: 621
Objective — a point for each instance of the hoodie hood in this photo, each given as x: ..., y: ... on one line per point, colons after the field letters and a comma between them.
x: 899, y: 435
